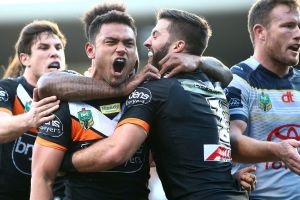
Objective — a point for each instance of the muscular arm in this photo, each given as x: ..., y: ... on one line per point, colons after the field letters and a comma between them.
x: 45, y: 165
x: 13, y: 126
x: 246, y: 149
x: 174, y: 63
x: 113, y: 151
x: 68, y: 86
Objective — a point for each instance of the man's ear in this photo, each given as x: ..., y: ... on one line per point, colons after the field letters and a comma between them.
x: 259, y: 32
x: 90, y: 50
x: 179, y: 46
x: 24, y: 59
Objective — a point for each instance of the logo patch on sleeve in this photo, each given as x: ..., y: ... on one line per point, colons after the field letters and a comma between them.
x: 3, y: 95
x: 234, y: 97
x: 52, y: 128
x: 139, y: 96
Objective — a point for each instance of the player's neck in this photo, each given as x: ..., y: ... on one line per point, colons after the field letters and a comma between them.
x: 272, y: 65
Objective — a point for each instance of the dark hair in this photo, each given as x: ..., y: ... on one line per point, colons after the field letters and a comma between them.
x: 194, y: 30
x: 31, y: 31
x: 259, y: 12
x: 14, y: 69
x: 110, y: 17
x: 99, y: 9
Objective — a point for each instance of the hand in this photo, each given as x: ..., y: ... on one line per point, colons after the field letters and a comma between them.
x: 149, y: 71
x: 287, y: 152
x: 246, y: 179
x: 41, y: 111
x: 174, y: 63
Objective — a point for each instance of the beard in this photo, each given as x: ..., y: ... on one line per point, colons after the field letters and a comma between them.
x: 160, y: 54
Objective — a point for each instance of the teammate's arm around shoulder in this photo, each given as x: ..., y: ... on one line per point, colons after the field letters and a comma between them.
x: 67, y: 86
x: 174, y: 63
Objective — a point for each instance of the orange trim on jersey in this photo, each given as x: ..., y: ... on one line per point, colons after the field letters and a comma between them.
x: 5, y: 110
x: 47, y: 143
x: 136, y: 121
x: 18, y: 107
x: 81, y: 134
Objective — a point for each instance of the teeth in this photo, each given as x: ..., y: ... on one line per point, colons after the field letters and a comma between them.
x: 120, y: 59
x: 54, y: 64
x: 150, y: 54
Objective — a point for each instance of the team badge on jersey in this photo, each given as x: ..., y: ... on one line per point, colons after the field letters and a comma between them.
x: 111, y: 108
x: 27, y: 106
x: 3, y: 95
x: 264, y: 102
x: 85, y: 118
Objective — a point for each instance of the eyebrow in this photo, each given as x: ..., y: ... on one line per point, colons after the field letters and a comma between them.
x: 113, y: 38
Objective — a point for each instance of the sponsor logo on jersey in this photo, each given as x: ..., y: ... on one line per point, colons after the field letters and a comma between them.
x: 288, y: 131
x: 234, y: 97
x: 287, y: 97
x: 139, y: 96
x: 214, y: 152
x: 85, y: 118
x: 111, y: 108
x: 27, y: 106
x: 22, y: 153
x: 234, y: 103
x: 264, y: 102
x: 53, y: 128
x: 3, y: 95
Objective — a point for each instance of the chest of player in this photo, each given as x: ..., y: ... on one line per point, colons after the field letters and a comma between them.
x: 275, y: 114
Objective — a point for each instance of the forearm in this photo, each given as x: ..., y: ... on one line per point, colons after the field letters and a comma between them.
x: 41, y: 189
x: 73, y: 87
x: 249, y: 150
x: 112, y: 151
x: 12, y: 127
x: 100, y: 156
x: 215, y: 69
x: 45, y: 165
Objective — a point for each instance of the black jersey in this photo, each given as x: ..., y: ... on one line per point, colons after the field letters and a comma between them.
x: 188, y: 121
x: 78, y: 125
x: 15, y: 156
x: 15, y: 162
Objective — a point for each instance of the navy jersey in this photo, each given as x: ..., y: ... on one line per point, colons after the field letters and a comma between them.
x: 270, y: 107
x: 78, y: 125
x: 188, y: 123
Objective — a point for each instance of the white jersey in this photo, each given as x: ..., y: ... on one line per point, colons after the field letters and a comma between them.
x: 271, y: 108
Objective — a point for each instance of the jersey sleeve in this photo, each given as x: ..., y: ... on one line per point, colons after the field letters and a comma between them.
x: 7, y: 95
x: 237, y: 94
x: 57, y: 132
x: 141, y: 105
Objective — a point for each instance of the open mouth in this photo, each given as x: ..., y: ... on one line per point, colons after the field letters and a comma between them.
x: 119, y: 64
x: 294, y: 47
x: 54, y: 65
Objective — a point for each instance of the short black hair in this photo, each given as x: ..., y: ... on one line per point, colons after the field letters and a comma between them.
x: 194, y: 30
x: 97, y: 10
x: 107, y: 18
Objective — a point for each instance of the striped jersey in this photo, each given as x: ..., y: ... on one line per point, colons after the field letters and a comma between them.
x: 271, y: 108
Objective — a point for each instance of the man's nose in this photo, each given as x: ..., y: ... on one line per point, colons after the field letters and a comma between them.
x: 147, y: 43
